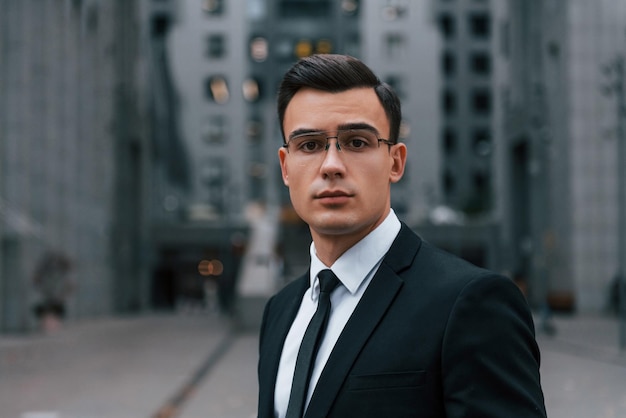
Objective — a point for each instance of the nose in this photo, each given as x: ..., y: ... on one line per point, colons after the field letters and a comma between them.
x: 332, y: 165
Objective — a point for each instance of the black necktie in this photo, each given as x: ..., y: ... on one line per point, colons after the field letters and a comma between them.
x: 310, y: 344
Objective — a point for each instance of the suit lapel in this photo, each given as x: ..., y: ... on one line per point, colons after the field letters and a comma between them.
x: 280, y: 329
x: 274, y: 339
x: 375, y: 301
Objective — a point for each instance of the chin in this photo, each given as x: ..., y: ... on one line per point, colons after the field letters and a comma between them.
x: 335, y: 224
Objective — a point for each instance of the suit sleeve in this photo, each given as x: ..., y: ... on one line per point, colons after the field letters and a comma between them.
x: 490, y: 359
x: 266, y: 391
x: 266, y: 310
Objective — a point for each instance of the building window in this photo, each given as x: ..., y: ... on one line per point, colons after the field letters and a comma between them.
x: 254, y: 129
x: 283, y: 49
x: 447, y: 25
x: 213, y: 7
x: 216, y: 89
x: 324, y: 46
x: 257, y: 169
x: 449, y: 141
x: 251, y: 90
x: 215, y: 46
x: 159, y: 25
x: 257, y: 174
x: 259, y: 49
x: 480, y: 180
x: 449, y: 183
x: 481, y: 142
x: 405, y: 130
x: 215, y: 129
x: 305, y: 9
x: 449, y: 102
x: 480, y: 25
x: 92, y: 18
x: 395, y: 46
x: 213, y: 174
x: 395, y: 9
x: 350, y: 7
x: 480, y: 200
x: 481, y: 102
x: 448, y: 63
x: 303, y: 48
x: 480, y: 63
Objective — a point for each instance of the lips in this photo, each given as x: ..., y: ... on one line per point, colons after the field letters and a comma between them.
x: 337, y: 193
x: 333, y: 196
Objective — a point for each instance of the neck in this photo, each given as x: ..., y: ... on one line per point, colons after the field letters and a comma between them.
x: 329, y: 248
x: 330, y: 245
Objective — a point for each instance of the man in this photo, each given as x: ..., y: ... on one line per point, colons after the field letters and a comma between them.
x: 413, y: 331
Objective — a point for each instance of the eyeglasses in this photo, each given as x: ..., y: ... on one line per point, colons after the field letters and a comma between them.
x: 352, y: 142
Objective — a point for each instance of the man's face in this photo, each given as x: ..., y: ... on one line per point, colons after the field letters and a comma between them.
x: 339, y: 192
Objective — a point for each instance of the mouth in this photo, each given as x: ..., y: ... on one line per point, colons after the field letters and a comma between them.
x: 333, y: 197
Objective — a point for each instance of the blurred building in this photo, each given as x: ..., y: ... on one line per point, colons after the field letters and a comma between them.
x: 468, y: 62
x: 208, y: 61
x: 560, y: 162
x: 59, y: 156
x: 72, y: 152
x: 466, y: 219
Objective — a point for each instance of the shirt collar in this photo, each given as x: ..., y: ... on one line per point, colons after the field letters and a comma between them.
x: 358, y: 261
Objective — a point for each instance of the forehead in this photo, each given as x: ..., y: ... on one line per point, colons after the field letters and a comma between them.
x: 322, y: 110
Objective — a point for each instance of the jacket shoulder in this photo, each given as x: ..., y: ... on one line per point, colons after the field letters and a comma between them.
x: 433, y: 266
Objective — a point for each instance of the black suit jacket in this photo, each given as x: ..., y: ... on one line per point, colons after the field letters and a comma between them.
x: 433, y: 336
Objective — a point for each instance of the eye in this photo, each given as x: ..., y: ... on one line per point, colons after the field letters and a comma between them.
x: 310, y: 144
x: 358, y: 141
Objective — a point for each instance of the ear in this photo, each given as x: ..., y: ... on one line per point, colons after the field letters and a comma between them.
x: 398, y: 162
x: 282, y: 157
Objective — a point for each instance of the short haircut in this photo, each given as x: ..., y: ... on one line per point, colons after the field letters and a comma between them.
x: 337, y: 73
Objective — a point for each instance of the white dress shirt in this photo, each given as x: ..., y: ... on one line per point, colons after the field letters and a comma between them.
x: 355, y: 269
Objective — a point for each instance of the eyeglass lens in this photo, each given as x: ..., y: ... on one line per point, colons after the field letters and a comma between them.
x: 348, y: 140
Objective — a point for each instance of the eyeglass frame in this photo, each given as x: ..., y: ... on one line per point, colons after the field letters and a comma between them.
x: 336, y: 137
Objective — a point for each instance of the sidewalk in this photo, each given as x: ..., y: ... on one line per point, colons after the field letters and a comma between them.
x: 110, y: 368
x: 583, y: 371
x: 132, y: 368
x: 230, y: 390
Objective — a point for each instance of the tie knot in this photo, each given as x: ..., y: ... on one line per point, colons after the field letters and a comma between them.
x: 328, y: 281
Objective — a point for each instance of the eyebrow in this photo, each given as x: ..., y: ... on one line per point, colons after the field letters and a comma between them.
x: 342, y: 127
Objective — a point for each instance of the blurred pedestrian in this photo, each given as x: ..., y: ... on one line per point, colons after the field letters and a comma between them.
x: 54, y: 285
x: 413, y: 331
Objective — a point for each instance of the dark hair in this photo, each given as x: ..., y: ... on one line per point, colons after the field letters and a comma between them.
x: 337, y: 73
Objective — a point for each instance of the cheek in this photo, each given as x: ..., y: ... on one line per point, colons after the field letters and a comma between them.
x: 373, y: 177
x: 375, y: 185
x: 297, y: 187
